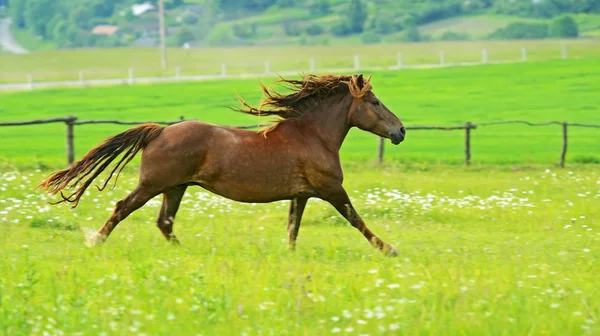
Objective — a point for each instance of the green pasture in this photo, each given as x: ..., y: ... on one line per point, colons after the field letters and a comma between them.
x: 483, y: 251
x: 115, y: 63
x: 537, y: 92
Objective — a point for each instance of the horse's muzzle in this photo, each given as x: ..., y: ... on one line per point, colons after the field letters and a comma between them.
x: 398, y: 137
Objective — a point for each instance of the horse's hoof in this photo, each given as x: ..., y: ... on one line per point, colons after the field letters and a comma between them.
x: 391, y: 251
x: 93, y: 238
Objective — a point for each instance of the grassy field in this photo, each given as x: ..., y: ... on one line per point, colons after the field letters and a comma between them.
x: 508, y: 246
x: 483, y: 251
x: 114, y: 63
x: 480, y: 26
x: 556, y: 90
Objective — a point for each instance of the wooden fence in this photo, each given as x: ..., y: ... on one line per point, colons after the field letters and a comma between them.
x: 71, y: 121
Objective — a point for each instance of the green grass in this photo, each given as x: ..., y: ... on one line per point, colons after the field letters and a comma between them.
x: 480, y: 26
x: 476, y: 26
x: 483, y: 251
x: 537, y: 92
x: 114, y: 63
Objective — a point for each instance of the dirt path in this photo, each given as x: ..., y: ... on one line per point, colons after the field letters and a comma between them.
x: 6, y: 39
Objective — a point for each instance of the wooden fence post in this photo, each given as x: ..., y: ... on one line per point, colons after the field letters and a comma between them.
x: 563, y: 153
x: 399, y: 60
x: 356, y: 63
x: 70, y: 142
x: 468, y: 127
x: 380, y: 150
x: 442, y: 58
x: 312, y: 65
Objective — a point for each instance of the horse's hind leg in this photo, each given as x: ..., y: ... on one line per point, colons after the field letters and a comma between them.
x: 171, y: 200
x: 297, y: 206
x: 135, y: 200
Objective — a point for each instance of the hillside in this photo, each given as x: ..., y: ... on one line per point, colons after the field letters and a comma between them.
x: 44, y: 24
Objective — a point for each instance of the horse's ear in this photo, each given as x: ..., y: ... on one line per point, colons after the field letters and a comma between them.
x: 360, y: 81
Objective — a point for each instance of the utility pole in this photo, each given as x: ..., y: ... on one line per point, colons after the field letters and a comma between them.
x: 161, y: 23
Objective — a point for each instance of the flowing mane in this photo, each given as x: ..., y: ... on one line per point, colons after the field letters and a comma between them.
x: 306, y: 94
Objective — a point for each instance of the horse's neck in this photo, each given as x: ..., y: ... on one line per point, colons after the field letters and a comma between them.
x: 329, y: 121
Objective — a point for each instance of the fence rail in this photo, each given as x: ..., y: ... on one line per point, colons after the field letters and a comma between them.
x: 30, y: 82
x: 71, y: 122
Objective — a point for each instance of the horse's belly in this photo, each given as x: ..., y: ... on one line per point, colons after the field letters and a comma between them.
x: 252, y: 192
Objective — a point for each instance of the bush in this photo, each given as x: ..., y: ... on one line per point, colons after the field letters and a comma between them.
x: 244, y: 30
x: 340, y: 29
x: 222, y: 36
x: 563, y: 26
x: 370, y: 37
x: 521, y: 30
x: 190, y: 19
x: 384, y: 24
x: 291, y: 28
x: 315, y: 29
x: 412, y: 34
x: 454, y: 36
x: 184, y: 35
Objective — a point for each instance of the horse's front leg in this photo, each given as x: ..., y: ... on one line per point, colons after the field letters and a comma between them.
x: 340, y: 200
x: 297, y: 206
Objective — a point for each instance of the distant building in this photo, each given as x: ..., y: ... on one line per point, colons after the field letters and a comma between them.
x: 139, y: 9
x: 107, y: 30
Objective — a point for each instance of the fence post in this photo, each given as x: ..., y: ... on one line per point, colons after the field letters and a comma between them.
x: 312, y: 65
x: 380, y: 150
x: 178, y: 73
x: 30, y: 81
x: 484, y: 56
x: 564, y: 51
x: 70, y: 143
x: 223, y: 70
x: 267, y: 67
x: 81, y: 78
x: 468, y: 127
x: 563, y: 153
x: 524, y: 54
x: 356, y: 63
x: 442, y: 58
x: 399, y: 59
x: 131, y: 79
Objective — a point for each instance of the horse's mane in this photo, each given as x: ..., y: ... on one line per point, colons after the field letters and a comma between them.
x: 306, y: 93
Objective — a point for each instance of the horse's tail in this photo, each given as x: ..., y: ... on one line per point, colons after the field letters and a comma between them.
x: 97, y: 160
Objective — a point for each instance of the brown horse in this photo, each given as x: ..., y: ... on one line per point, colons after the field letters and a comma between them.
x: 295, y: 159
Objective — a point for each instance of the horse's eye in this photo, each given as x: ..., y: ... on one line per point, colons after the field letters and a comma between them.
x: 375, y: 102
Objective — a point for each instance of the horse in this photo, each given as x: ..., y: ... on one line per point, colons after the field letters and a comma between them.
x: 294, y: 159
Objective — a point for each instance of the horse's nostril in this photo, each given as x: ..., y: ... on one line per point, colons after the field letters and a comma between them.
x: 403, y: 131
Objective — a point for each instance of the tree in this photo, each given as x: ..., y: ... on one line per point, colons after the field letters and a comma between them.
x: 563, y: 26
x: 59, y: 33
x: 17, y: 10
x: 184, y: 35
x: 37, y: 14
x: 319, y: 7
x: 357, y: 16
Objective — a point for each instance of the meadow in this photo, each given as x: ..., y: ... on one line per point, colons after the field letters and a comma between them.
x: 483, y: 251
x: 507, y: 246
x: 115, y: 63
x: 563, y: 90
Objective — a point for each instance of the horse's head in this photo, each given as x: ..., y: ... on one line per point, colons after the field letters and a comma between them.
x: 368, y: 113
